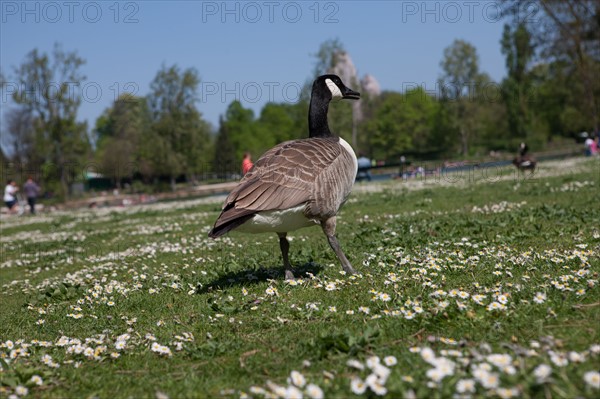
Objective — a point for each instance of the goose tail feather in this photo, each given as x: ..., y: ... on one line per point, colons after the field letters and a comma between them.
x: 219, y: 230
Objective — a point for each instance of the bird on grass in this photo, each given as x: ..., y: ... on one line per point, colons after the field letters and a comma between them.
x: 524, y: 161
x: 298, y: 183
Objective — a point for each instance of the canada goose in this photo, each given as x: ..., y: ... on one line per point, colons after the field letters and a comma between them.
x: 297, y: 183
x: 524, y: 161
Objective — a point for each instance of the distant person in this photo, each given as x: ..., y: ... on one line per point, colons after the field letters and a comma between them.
x: 589, y: 147
x: 10, y: 196
x: 246, y: 163
x: 594, y: 146
x: 364, y: 168
x: 31, y: 190
x: 402, y: 170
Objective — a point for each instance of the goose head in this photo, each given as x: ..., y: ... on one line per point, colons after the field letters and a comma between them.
x: 331, y: 88
x: 523, y: 149
x: 325, y: 89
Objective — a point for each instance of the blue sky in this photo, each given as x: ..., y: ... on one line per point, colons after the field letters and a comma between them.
x: 253, y: 51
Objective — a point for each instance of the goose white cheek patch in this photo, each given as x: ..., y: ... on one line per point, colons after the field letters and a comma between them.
x: 334, y: 89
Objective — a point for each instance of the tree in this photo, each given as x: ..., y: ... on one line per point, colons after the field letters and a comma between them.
x: 182, y: 136
x: 557, y: 107
x: 225, y: 161
x: 566, y: 31
x: 120, y: 131
x: 19, y: 135
x: 47, y: 90
x: 574, y: 35
x: 243, y: 133
x: 327, y: 57
x: 461, y: 85
x: 3, y: 160
x: 516, y: 87
x: 402, y: 123
x: 278, y: 122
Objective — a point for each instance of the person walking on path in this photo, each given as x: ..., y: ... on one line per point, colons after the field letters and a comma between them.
x: 31, y: 190
x: 10, y: 196
x: 246, y: 163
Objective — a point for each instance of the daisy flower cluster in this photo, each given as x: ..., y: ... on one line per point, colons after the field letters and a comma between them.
x: 480, y: 371
x: 160, y: 349
x: 568, y: 271
x: 297, y: 387
x: 572, y: 186
x: 378, y: 373
x: 46, y: 356
x: 502, y: 206
x: 468, y: 372
x: 366, y: 378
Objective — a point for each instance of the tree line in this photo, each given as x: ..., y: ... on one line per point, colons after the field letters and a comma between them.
x: 550, y: 92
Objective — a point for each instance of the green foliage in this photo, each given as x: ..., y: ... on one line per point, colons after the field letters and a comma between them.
x: 556, y: 98
x: 460, y: 66
x: 121, y: 132
x: 181, y: 138
x: 565, y: 35
x: 63, y: 291
x: 326, y: 56
x: 462, y: 87
x: 401, y: 123
x: 210, y: 349
x: 346, y: 342
x: 516, y: 87
x: 284, y: 121
x: 20, y: 135
x: 240, y: 131
x: 225, y: 161
x: 58, y: 138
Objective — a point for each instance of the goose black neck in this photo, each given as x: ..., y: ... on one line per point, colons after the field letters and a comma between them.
x: 317, y: 117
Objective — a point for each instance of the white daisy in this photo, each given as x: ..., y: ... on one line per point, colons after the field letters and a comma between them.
x: 376, y: 385
x: 297, y: 379
x: 373, y: 361
x: 355, y: 364
x: 542, y: 372
x: 465, y: 385
x: 358, y: 386
x: 592, y: 378
x: 314, y: 392
x: 293, y: 393
x: 390, y: 360
x: 539, y: 297
x: 36, y: 379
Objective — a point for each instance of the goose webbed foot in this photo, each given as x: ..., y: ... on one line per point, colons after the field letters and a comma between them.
x: 289, y: 275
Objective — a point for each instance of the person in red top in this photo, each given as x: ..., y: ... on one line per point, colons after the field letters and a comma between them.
x: 246, y: 163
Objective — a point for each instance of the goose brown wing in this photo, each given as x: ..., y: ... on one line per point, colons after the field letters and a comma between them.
x: 284, y: 177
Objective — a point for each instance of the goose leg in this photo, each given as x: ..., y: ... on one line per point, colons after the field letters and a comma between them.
x: 328, y: 227
x: 285, y: 247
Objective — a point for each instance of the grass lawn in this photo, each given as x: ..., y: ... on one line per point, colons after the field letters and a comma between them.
x: 470, y: 285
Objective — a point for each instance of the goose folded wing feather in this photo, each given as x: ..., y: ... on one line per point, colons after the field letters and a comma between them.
x: 285, y: 176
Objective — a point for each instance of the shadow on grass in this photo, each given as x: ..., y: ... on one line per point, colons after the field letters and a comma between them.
x: 255, y: 276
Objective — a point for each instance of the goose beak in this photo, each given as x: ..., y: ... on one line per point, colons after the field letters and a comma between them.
x: 350, y: 94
